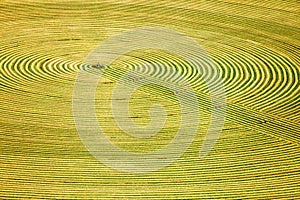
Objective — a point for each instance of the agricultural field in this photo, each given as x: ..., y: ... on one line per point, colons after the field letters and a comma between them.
x: 254, y: 47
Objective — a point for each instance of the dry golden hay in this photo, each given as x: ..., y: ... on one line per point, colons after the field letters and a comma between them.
x: 255, y: 47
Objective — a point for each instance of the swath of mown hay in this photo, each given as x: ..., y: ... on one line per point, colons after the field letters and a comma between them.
x: 255, y: 46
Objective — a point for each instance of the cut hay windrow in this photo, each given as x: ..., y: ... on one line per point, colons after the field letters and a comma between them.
x: 255, y: 47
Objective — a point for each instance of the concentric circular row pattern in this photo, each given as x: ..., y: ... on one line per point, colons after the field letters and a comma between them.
x: 254, y: 44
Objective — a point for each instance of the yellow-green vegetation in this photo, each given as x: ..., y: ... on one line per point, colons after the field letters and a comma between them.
x: 255, y: 46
